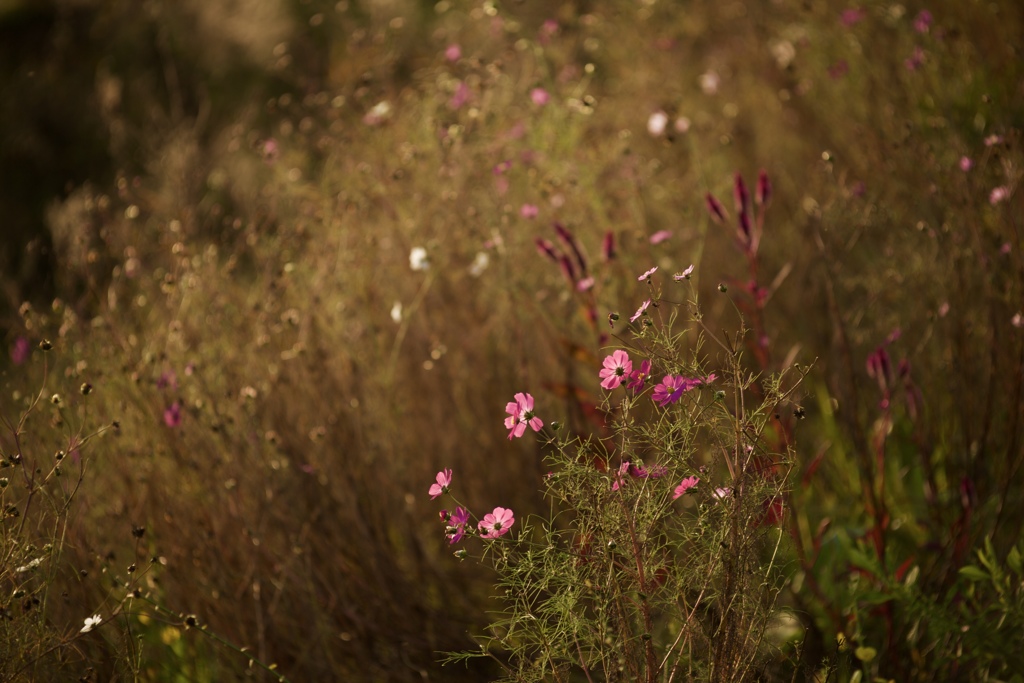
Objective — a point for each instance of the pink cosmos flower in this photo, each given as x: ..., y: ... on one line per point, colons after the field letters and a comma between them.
x: 672, y: 387
x: 457, y: 525
x: 640, y: 311
x: 539, y: 96
x: 661, y: 236
x: 999, y: 194
x: 444, y: 480
x: 638, y: 377
x: 685, y: 486
x: 529, y: 211
x: 617, y: 367
x: 172, y: 415
x: 637, y: 472
x: 647, y: 275
x: 497, y: 523
x: 722, y: 493
x: 685, y: 275
x: 520, y: 414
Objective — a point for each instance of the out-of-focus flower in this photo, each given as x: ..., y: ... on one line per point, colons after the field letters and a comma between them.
x: 656, y: 123
x: 682, y: 124
x: 709, y: 82
x: 378, y: 114
x: 993, y: 139
x: 20, y: 350
x: 453, y: 52
x: 923, y: 21
x: 480, y: 263
x: 418, y: 259
x: 396, y: 312
x: 966, y: 164
x: 999, y: 194
x: 851, y: 16
x: 661, y: 236
x: 585, y: 284
x: 529, y: 211
x: 915, y: 60
x: 539, y: 96
x: 172, y: 415
x: 460, y: 97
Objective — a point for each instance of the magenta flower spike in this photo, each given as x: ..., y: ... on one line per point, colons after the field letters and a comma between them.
x: 715, y: 208
x: 497, y: 523
x: 617, y: 367
x: 444, y: 480
x: 763, y: 195
x: 685, y: 486
x: 172, y: 415
x: 608, y: 246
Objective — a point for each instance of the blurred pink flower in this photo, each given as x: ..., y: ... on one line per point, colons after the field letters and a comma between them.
x: 647, y: 275
x: 999, y: 194
x: 993, y: 140
x: 459, y: 97
x: 852, y: 16
x: 661, y: 236
x: 966, y: 164
x: 685, y: 486
x: 444, y: 480
x: 501, y: 167
x: 172, y: 415
x: 608, y: 246
x: 638, y: 377
x: 529, y: 211
x: 539, y: 96
x: 20, y: 350
x: 915, y: 60
x: 617, y: 367
x: 167, y: 380
x: 497, y: 523
x: 839, y: 69
x: 457, y: 525
x: 922, y: 21
x: 640, y: 311
x: 520, y: 414
x: 585, y: 284
x: 453, y: 52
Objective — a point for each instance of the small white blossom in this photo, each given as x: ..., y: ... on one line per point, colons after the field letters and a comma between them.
x: 91, y: 622
x: 396, y: 312
x: 418, y: 259
x: 479, y: 264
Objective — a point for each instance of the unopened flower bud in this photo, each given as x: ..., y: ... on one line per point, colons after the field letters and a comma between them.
x: 45, y: 345
x: 722, y: 287
x: 86, y: 389
x: 460, y: 553
x: 55, y: 399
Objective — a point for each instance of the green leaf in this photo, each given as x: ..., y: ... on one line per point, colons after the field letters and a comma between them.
x: 865, y: 654
x: 972, y: 573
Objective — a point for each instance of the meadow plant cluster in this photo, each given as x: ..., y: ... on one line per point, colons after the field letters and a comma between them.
x: 338, y: 238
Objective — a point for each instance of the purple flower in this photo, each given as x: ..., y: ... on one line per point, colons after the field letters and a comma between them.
x: 617, y: 367
x: 20, y: 350
x: 444, y: 480
x: 457, y: 525
x: 922, y: 21
x: 172, y: 415
x: 638, y: 377
x: 672, y: 387
x: 497, y: 523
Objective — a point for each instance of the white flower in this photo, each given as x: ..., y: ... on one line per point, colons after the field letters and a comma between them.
x: 656, y: 123
x: 396, y: 312
x: 31, y: 565
x: 91, y: 622
x: 479, y: 264
x: 709, y: 82
x: 418, y: 259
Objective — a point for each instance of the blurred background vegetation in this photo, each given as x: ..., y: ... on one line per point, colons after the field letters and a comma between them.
x: 209, y: 207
